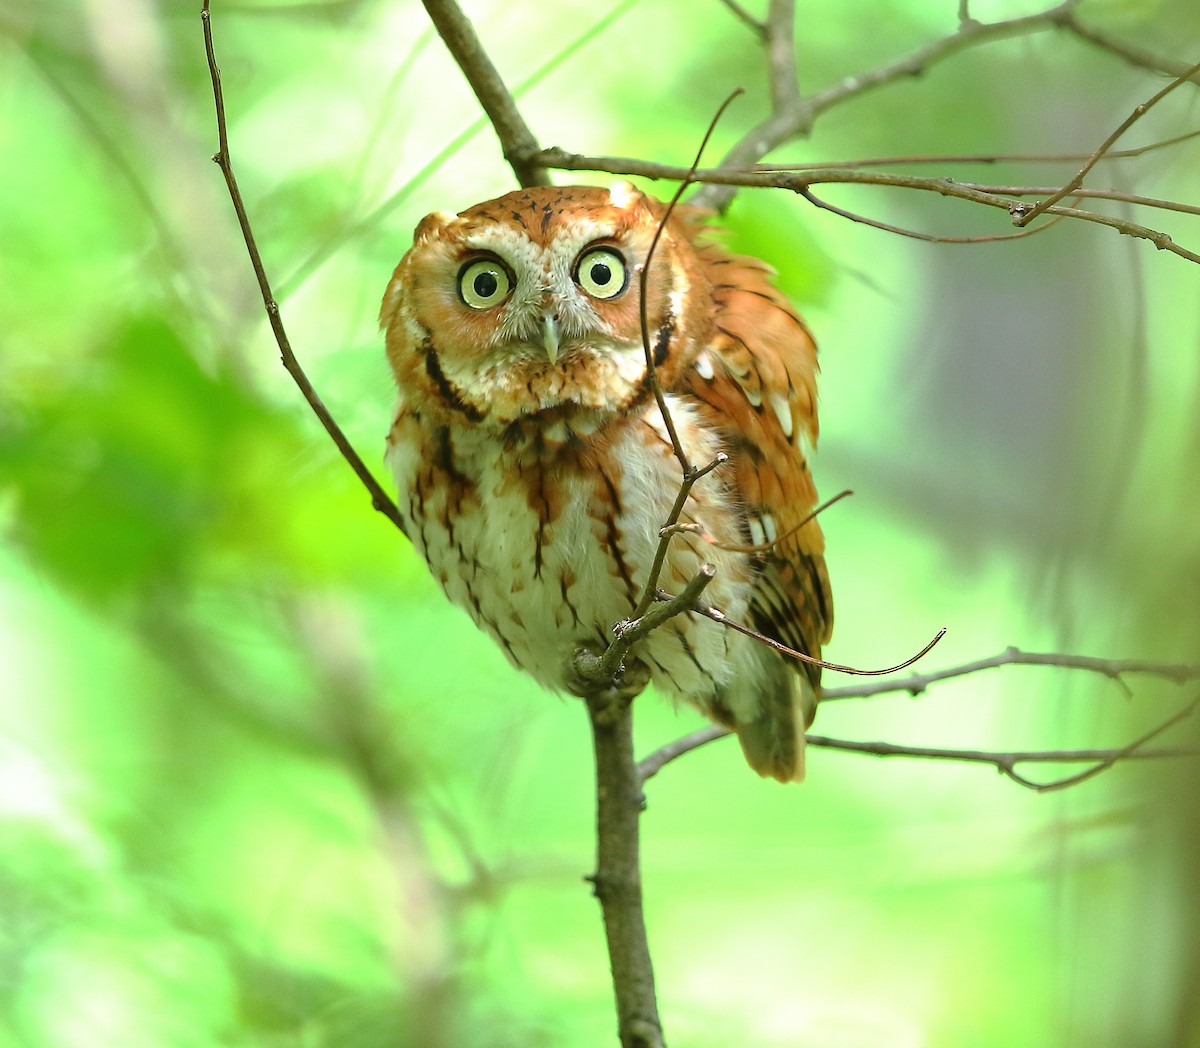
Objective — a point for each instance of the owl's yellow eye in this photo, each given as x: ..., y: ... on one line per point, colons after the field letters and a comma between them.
x: 601, y: 272
x: 484, y: 283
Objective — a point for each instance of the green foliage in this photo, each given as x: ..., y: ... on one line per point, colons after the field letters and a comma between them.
x: 261, y: 788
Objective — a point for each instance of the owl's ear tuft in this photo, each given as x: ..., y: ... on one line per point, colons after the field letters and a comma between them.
x: 625, y: 195
x: 433, y: 224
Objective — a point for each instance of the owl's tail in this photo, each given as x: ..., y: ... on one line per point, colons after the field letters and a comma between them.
x: 769, y: 708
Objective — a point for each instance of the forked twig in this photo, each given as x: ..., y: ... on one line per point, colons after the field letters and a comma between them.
x: 379, y: 498
x: 1004, y: 762
x: 1077, y: 180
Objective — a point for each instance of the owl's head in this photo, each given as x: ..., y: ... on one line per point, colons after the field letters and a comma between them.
x: 530, y: 304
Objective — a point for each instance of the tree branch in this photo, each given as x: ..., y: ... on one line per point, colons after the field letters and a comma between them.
x: 1114, y: 669
x: 795, y: 116
x: 915, y: 684
x: 1004, y: 762
x: 800, y: 181
x: 618, y: 877
x: 379, y: 498
x: 1077, y: 180
x: 516, y: 140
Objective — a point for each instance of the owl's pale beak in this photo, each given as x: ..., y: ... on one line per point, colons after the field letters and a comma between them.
x: 550, y: 336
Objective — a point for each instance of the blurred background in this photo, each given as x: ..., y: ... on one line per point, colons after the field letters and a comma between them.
x: 261, y: 786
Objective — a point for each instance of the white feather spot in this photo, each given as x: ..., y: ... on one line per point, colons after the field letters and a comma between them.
x: 758, y: 537
x: 623, y: 194
x: 770, y: 527
x: 704, y: 366
x: 754, y: 395
x: 783, y: 412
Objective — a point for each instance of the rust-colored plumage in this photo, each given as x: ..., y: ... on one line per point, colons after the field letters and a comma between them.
x: 535, y: 471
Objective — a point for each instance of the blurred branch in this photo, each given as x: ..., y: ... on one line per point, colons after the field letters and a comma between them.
x: 792, y: 114
x: 517, y: 141
x: 746, y: 18
x: 1134, y: 56
x: 422, y: 950
x: 379, y: 498
x: 371, y: 221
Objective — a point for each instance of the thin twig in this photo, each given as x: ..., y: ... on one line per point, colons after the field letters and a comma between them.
x: 609, y: 666
x: 720, y: 617
x: 796, y: 120
x: 915, y: 684
x: 798, y: 182
x: 1135, y: 56
x: 1077, y: 180
x: 376, y: 216
x: 379, y: 498
x: 691, y: 474
x: 789, y: 116
x: 988, y: 158
x: 516, y: 139
x: 782, y: 71
x: 1083, y: 193
x: 1004, y: 761
x: 746, y: 18
x: 1114, y: 669
x: 916, y: 234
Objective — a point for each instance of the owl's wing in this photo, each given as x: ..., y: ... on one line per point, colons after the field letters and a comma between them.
x: 756, y: 381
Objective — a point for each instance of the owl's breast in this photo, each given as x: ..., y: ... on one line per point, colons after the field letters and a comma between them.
x: 546, y: 545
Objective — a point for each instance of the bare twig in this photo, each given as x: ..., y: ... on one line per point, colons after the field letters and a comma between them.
x: 789, y: 116
x: 799, y: 182
x: 1074, y: 183
x: 1005, y: 762
x: 516, y: 139
x: 691, y: 473
x: 1114, y: 669
x: 1083, y: 193
x: 915, y: 684
x: 720, y: 617
x: 796, y: 118
x: 916, y: 234
x: 1135, y: 56
x: 989, y: 158
x: 746, y: 18
x: 604, y: 671
x: 379, y: 498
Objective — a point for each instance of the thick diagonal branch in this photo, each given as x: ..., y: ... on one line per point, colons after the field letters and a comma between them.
x: 516, y: 139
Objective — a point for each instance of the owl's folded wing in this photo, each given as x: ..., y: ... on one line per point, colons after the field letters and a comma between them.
x: 756, y: 381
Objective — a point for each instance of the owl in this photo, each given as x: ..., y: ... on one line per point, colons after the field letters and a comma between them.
x: 535, y: 470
